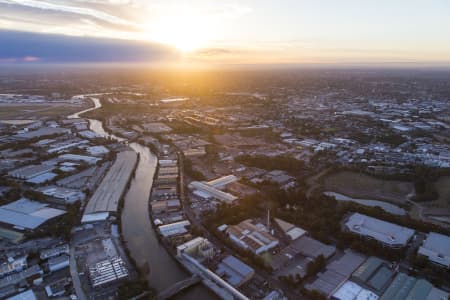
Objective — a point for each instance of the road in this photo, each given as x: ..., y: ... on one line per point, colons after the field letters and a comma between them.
x: 312, y: 182
x: 75, y: 277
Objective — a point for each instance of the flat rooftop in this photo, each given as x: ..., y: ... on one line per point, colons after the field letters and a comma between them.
x: 382, y: 231
x: 437, y: 248
x: 27, y: 214
x: 107, y: 195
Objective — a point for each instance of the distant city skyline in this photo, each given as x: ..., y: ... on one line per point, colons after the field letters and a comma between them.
x: 225, y: 32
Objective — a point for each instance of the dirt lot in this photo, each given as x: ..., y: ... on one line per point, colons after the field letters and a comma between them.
x: 443, y: 188
x: 363, y: 186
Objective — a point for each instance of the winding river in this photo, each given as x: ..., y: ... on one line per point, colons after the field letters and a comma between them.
x: 137, y: 229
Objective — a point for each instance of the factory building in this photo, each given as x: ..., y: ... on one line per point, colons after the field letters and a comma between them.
x: 352, y: 291
x: 107, y: 271
x: 54, y: 251
x: 30, y: 171
x: 389, y: 234
x: 436, y: 247
x: 26, y: 214
x: 83, y: 158
x: 197, y: 247
x: 174, y: 229
x: 234, y: 271
x: 336, y: 273
x: 255, y: 238
x: 222, y: 181
x: 406, y: 287
x: 97, y: 150
x: 13, y: 265
x: 374, y: 274
x: 205, y: 191
x: 66, y: 195
x: 58, y: 263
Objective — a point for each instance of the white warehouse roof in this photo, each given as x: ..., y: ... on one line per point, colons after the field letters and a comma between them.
x: 382, y: 231
x: 222, y: 181
x: 27, y: 214
x: 213, y: 192
x: 437, y: 248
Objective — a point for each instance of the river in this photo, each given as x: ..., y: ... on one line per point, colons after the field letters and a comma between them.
x: 137, y: 229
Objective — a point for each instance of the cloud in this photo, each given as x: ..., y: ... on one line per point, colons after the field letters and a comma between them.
x: 49, y: 48
x: 213, y: 52
x: 83, y: 11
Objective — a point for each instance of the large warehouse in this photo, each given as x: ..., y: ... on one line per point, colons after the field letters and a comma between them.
x: 389, y: 234
x: 436, y: 248
x: 106, y: 197
x: 27, y: 214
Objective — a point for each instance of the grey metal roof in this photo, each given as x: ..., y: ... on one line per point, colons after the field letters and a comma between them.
x: 27, y: 214
x: 385, y: 232
x: 437, y: 248
x: 237, y: 265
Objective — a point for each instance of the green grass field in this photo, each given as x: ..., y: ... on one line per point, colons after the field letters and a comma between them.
x: 37, y: 111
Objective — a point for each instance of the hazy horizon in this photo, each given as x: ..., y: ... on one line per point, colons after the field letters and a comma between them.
x: 202, y: 33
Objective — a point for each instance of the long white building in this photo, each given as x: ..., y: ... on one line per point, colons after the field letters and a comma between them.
x: 204, y: 190
x: 436, y: 247
x: 389, y: 234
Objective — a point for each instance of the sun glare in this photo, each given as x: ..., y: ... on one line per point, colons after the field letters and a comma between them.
x: 185, y: 33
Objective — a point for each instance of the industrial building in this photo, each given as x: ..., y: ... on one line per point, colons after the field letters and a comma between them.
x: 27, y: 214
x: 107, y: 271
x: 351, y: 291
x: 55, y: 148
x: 97, y: 150
x: 57, y: 263
x: 255, y: 238
x: 389, y: 234
x: 174, y: 229
x: 205, y: 191
x: 234, y: 271
x: 374, y: 274
x: 89, y: 134
x: 212, y: 189
x: 302, y: 247
x: 107, y: 195
x: 57, y: 288
x: 167, y: 170
x: 26, y: 295
x: 13, y: 265
x: 222, y: 181
x: 54, y: 251
x: 405, y: 287
x: 292, y: 231
x: 42, y: 132
x: 30, y: 171
x: 91, y: 160
x: 165, y: 206
x: 66, y: 195
x: 336, y: 273
x: 32, y: 272
x: 167, y: 163
x: 197, y: 247
x: 436, y: 247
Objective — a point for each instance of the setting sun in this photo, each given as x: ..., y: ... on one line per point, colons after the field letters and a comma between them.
x: 186, y: 33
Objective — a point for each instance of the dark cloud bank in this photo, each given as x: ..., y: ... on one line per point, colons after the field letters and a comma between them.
x: 26, y: 47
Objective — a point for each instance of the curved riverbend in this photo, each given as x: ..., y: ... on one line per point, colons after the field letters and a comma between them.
x: 137, y: 229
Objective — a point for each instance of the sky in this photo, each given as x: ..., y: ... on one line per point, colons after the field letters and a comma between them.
x: 225, y: 31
